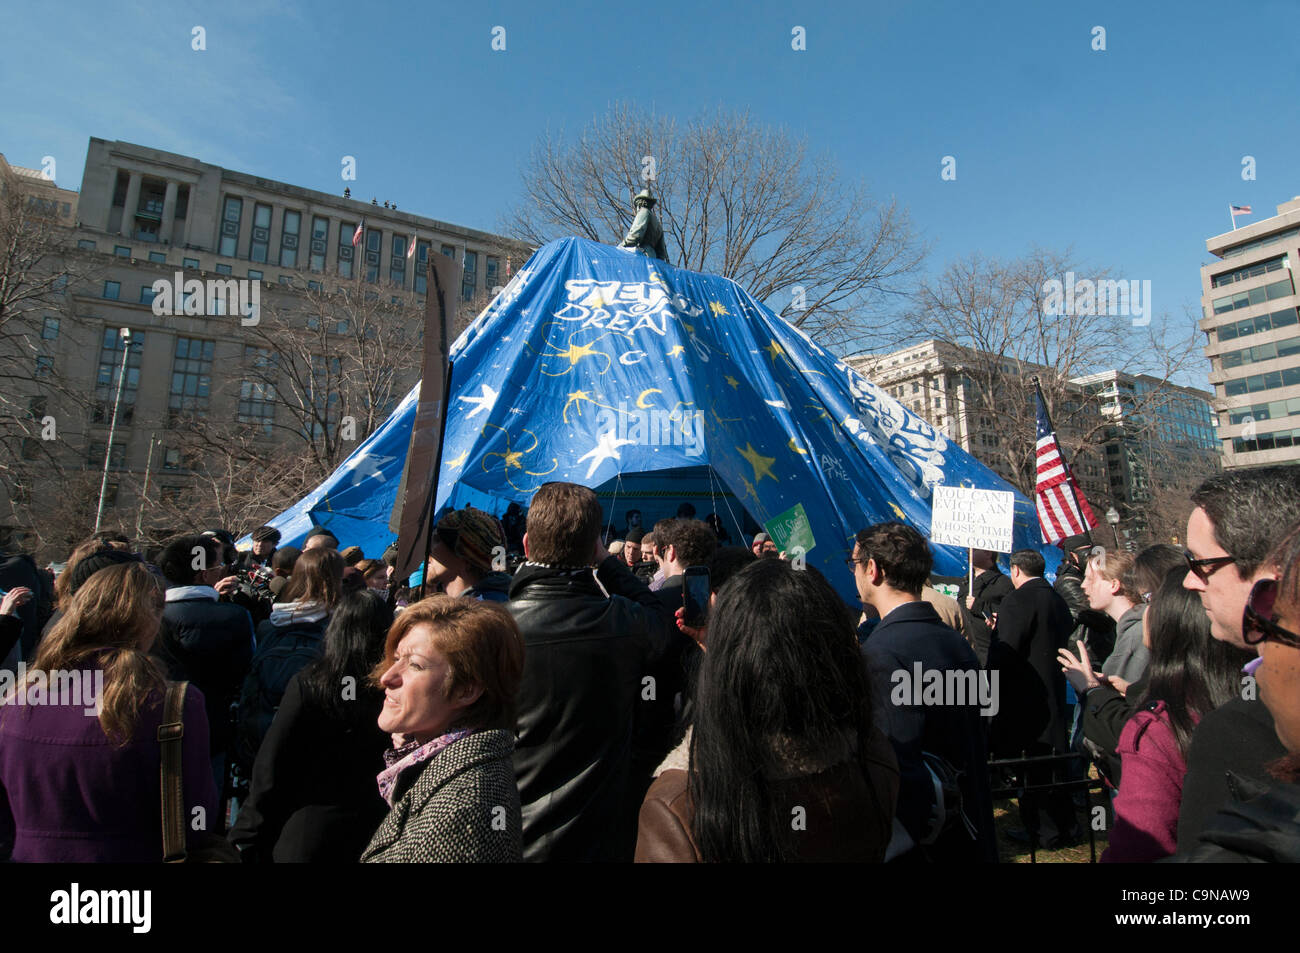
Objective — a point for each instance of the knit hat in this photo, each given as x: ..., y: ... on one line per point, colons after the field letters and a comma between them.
x: 87, y: 566
x: 472, y: 535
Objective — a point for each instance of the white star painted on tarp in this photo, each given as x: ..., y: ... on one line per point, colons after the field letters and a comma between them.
x: 484, y: 401
x: 779, y: 404
x: 368, y: 466
x: 606, y: 448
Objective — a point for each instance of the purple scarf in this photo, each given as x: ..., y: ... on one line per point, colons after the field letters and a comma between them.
x: 410, y: 754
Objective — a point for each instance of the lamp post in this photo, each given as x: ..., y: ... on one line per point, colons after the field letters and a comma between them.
x: 1112, y: 517
x: 112, y: 425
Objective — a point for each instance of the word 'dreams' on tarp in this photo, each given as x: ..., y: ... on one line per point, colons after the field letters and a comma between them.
x: 979, y: 519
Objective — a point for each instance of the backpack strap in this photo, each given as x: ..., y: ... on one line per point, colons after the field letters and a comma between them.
x: 170, y: 733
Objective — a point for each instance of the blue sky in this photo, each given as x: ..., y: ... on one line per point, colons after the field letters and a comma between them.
x: 1131, y: 155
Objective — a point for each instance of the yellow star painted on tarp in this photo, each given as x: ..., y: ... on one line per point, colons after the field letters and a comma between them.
x: 749, y: 489
x: 578, y: 351
x: 762, y: 465
x: 718, y: 309
x: 459, y: 461
x: 774, y: 350
x: 676, y: 350
x: 796, y: 448
x: 897, y: 512
x: 732, y: 381
x: 512, y: 458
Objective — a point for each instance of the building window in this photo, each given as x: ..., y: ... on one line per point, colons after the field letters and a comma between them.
x: 469, y: 278
x: 1244, y: 299
x: 320, y: 233
x: 314, y: 286
x: 110, y: 367
x: 1249, y: 271
x: 157, y: 257
x: 449, y: 251
x: 146, y: 294
x: 422, y: 252
x: 112, y: 289
x: 346, y: 231
x: 397, y: 263
x: 191, y: 376
x: 170, y: 493
x: 254, y: 275
x: 98, y: 451
x: 260, y: 241
x: 44, y: 366
x: 257, y: 404
x: 223, y: 269
x: 190, y: 263
x: 230, y: 216
x: 374, y: 245
x: 50, y: 329
x: 1261, y: 352
x: 85, y: 244
x: 291, y: 224
x: 493, y: 267
x: 122, y: 251
x: 171, y: 459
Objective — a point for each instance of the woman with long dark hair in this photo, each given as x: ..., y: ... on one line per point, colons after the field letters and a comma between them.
x: 1190, y: 674
x: 785, y: 762
x: 313, y: 795
x: 79, y: 751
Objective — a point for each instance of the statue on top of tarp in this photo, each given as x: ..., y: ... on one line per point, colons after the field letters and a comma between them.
x: 646, y: 232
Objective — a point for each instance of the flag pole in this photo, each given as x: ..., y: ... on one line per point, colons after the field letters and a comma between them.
x: 1232, y: 217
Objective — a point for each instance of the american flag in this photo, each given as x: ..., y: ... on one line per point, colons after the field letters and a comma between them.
x: 356, y: 236
x: 1062, y: 508
x: 1241, y: 210
x: 410, y: 252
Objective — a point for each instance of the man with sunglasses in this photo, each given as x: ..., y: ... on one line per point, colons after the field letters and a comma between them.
x: 1240, y: 516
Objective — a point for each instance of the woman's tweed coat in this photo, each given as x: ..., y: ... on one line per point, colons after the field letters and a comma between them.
x: 463, y: 808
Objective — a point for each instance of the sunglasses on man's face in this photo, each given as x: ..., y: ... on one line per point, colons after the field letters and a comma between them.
x: 1259, y: 622
x: 1205, y: 568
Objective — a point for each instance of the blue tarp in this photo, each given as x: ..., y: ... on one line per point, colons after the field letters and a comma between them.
x: 598, y: 361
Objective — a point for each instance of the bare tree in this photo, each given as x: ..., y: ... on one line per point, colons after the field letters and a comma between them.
x: 738, y: 199
x: 998, y: 315
x: 37, y: 267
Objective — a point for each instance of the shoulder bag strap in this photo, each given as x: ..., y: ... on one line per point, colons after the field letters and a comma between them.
x: 170, y: 733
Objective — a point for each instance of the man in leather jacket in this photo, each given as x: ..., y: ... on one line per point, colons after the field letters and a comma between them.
x: 593, y: 633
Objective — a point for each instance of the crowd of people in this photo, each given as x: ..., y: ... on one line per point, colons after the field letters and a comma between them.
x: 570, y: 702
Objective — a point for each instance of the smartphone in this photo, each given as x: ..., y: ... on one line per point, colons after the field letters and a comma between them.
x: 695, y: 596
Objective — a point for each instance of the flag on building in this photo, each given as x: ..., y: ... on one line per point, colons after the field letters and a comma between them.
x: 1062, y: 508
x: 410, y: 252
x: 356, y: 236
x: 1241, y: 210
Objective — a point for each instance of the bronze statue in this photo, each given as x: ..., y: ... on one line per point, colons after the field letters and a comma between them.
x: 646, y: 232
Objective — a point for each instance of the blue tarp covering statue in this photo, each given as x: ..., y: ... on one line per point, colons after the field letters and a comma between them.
x: 598, y: 362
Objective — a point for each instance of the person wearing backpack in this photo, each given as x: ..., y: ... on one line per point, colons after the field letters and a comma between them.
x: 287, y: 642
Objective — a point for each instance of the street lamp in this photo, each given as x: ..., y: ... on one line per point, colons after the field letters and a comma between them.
x: 1112, y: 517
x: 112, y: 425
